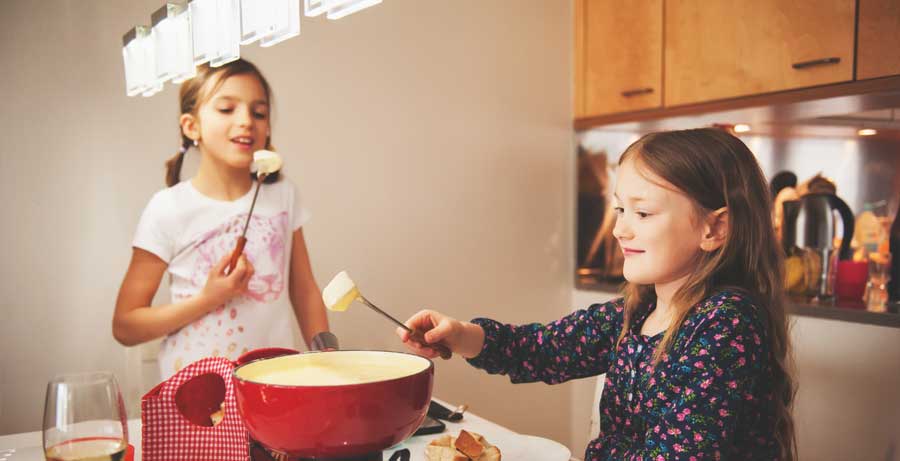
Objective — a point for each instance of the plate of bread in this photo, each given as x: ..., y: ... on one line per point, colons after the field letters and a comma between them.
x: 471, y: 446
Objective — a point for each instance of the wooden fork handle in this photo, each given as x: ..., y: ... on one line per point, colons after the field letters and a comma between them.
x: 440, y: 348
x: 236, y: 254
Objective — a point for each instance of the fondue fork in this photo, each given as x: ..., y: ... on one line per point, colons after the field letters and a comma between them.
x: 266, y: 162
x: 242, y: 240
x: 341, y: 292
x: 415, y: 335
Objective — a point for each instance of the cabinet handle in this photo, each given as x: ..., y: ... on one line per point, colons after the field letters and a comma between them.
x: 816, y: 62
x: 636, y: 92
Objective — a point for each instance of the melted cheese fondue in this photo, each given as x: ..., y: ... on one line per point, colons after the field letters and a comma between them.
x: 333, y: 368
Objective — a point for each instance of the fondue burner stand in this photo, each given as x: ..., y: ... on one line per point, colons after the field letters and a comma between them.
x: 260, y: 453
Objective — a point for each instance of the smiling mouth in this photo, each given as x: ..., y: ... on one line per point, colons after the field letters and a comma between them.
x: 243, y: 141
x: 631, y: 252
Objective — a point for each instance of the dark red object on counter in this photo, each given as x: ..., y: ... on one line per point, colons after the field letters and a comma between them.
x: 338, y: 421
x: 850, y: 280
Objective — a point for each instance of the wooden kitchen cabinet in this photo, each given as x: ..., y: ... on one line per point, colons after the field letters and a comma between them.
x: 729, y: 48
x: 618, y: 57
x: 878, y: 46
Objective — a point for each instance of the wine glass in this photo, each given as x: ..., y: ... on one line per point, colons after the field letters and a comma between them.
x: 879, y: 276
x: 84, y: 418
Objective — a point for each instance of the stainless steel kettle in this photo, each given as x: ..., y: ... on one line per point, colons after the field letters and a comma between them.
x: 809, y: 225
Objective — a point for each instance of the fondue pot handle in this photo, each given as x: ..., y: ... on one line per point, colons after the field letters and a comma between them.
x: 325, y: 341
x: 263, y: 353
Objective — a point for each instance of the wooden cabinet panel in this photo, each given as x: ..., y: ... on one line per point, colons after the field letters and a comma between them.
x: 579, y: 59
x: 721, y: 49
x: 878, y: 46
x: 621, y: 55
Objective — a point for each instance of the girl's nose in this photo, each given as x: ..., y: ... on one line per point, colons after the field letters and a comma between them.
x: 621, y: 230
x: 244, y: 117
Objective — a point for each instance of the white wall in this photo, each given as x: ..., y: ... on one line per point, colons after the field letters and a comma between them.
x: 848, y: 399
x: 848, y: 402
x: 431, y: 139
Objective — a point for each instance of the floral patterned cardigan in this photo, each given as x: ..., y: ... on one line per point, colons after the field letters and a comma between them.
x: 711, y: 397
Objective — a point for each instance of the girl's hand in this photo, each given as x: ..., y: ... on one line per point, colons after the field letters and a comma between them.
x: 220, y: 288
x: 461, y: 338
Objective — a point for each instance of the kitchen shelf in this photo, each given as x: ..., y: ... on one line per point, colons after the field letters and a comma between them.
x: 844, y: 312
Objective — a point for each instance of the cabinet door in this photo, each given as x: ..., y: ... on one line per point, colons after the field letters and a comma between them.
x: 717, y: 49
x: 878, y: 48
x: 621, y: 55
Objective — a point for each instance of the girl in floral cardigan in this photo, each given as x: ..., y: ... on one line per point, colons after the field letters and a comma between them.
x: 696, y: 352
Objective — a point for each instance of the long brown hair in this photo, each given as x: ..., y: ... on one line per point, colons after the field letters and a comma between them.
x: 198, y: 90
x: 715, y: 169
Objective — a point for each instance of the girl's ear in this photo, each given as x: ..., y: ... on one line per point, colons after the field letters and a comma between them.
x: 715, y: 230
x: 190, y: 126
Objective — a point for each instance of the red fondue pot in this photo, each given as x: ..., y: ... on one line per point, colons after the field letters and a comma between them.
x: 321, y: 421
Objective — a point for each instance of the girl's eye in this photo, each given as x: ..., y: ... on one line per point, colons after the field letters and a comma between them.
x: 619, y: 210
x: 226, y: 110
x: 261, y: 115
x: 642, y: 214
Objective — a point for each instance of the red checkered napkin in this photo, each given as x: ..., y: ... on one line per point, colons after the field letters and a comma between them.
x: 175, y: 423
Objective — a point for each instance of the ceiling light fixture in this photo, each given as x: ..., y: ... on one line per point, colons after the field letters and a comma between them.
x: 185, y: 35
x: 741, y: 128
x: 140, y: 63
x: 226, y: 33
x: 338, y: 9
x: 133, y: 56
x: 172, y: 43
x: 285, y: 22
x: 867, y: 132
x: 255, y: 16
x: 314, y: 8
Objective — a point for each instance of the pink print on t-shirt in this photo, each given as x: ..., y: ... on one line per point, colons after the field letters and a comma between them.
x: 265, y: 248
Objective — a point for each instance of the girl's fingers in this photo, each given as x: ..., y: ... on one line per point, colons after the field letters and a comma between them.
x: 423, y: 320
x: 435, y: 327
x: 239, y: 271
x: 441, y: 331
x: 248, y: 273
x: 219, y: 268
x: 419, y: 350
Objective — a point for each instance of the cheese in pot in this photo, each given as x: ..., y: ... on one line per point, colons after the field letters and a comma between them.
x: 333, y: 368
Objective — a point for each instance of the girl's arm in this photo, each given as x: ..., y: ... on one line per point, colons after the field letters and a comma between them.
x: 304, y: 292
x: 135, y: 322
x: 578, y: 345
x: 575, y: 346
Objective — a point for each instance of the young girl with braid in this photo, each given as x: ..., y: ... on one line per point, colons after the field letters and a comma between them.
x: 189, y: 229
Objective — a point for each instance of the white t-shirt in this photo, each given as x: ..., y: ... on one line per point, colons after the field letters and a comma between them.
x: 192, y: 232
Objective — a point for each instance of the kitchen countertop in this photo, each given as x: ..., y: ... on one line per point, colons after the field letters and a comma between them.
x: 515, y: 446
x: 840, y: 311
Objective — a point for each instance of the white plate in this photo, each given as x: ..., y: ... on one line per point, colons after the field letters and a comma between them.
x: 532, y: 447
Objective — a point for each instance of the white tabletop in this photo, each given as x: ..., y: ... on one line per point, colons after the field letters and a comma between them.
x: 28, y: 446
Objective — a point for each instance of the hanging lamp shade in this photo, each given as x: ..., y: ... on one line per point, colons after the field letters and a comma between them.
x: 172, y: 43
x: 285, y: 22
x: 341, y: 8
